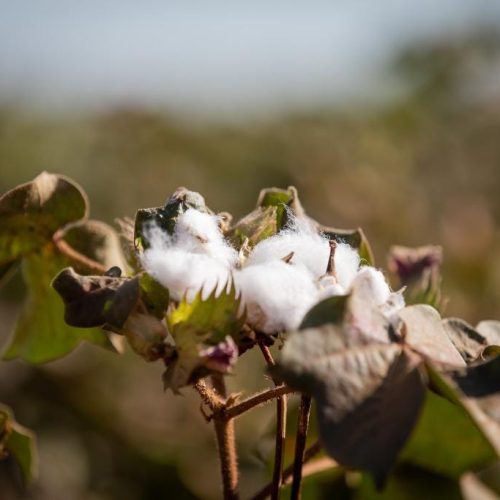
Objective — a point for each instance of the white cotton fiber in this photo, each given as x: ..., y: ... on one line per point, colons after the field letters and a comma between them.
x: 328, y: 287
x: 371, y: 283
x: 309, y: 249
x: 346, y: 264
x: 276, y: 295
x: 185, y: 273
x: 199, y: 232
x: 195, y: 257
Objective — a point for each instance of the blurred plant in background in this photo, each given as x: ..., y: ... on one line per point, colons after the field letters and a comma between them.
x: 418, y: 170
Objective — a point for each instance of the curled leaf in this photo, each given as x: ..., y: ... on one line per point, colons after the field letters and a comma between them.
x: 424, y: 332
x: 368, y: 394
x: 468, y: 341
x: 31, y: 213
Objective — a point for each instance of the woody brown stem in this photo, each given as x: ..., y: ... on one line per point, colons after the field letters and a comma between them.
x: 226, y: 445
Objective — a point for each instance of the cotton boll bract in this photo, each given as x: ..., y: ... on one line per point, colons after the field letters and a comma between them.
x: 276, y: 295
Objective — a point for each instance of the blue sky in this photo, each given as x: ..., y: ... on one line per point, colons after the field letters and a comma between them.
x: 216, y: 58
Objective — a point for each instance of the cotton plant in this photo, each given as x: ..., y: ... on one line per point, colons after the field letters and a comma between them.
x: 195, y: 291
x: 279, y: 280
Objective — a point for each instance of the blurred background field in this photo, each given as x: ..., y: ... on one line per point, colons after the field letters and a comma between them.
x: 386, y: 118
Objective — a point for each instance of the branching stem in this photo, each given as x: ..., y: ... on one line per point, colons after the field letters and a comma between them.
x: 256, y: 400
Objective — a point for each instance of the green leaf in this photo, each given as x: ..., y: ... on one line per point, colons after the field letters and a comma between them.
x: 41, y: 334
x: 424, y: 331
x: 19, y: 442
x: 448, y: 438
x: 165, y: 217
x: 31, y: 213
x: 368, y: 394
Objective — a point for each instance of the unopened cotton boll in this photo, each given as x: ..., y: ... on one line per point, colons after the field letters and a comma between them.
x: 186, y: 273
x: 276, y: 295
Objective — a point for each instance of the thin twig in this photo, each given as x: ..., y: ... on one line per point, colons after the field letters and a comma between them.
x: 300, y: 444
x: 256, y: 400
x: 310, y: 452
x: 279, y: 451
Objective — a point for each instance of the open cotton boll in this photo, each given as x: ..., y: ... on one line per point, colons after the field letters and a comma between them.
x: 185, y: 273
x: 199, y: 232
x: 276, y: 295
x: 309, y: 249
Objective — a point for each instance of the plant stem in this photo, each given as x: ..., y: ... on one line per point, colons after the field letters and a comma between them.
x: 224, y: 431
x: 279, y: 453
x: 209, y: 396
x: 288, y: 472
x: 256, y: 400
x: 300, y: 445
x: 280, y: 430
x: 226, y: 445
